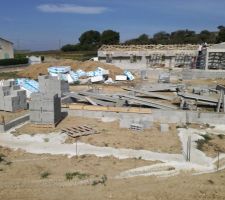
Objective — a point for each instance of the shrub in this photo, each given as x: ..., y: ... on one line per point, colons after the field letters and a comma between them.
x: 13, y: 61
x: 71, y: 175
x: 206, y: 137
x: 45, y: 174
x: 221, y: 136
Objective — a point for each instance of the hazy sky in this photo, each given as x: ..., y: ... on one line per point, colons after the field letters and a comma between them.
x: 40, y: 24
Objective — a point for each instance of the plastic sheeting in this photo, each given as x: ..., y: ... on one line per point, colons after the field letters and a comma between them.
x: 59, y: 69
x: 29, y: 85
x: 129, y: 75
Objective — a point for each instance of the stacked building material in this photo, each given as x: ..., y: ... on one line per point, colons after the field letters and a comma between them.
x: 45, y: 105
x: 45, y: 109
x: 12, y: 98
x: 51, y: 85
x: 28, y: 85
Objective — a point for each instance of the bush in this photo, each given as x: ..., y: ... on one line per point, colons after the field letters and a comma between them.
x: 221, y: 136
x: 70, y: 176
x: 45, y: 174
x: 13, y: 61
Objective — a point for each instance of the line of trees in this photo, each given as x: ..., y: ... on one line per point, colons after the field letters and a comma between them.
x: 181, y: 37
x: 92, y: 40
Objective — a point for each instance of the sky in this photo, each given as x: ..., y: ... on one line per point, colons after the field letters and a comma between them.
x: 48, y: 24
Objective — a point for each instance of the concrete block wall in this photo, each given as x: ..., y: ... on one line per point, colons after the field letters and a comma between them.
x: 12, y: 98
x: 148, y: 58
x: 157, y: 115
x: 51, y: 85
x: 45, y: 108
x: 13, y: 123
x: 189, y: 74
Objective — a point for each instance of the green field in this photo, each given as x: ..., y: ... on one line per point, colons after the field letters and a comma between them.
x: 8, y: 75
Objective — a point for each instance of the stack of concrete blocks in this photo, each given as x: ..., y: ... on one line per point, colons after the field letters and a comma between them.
x: 51, y: 85
x: 12, y: 98
x: 45, y: 108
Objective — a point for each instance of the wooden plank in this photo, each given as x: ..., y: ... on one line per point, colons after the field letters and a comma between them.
x: 111, y: 109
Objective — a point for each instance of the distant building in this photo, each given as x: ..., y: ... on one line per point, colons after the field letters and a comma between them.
x: 148, y: 56
x: 6, y: 49
x: 212, y: 57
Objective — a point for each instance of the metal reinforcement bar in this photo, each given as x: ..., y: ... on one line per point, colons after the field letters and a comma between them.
x: 148, y: 102
x: 151, y: 94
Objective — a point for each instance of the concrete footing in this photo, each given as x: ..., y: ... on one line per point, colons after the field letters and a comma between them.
x: 157, y: 115
x: 7, y: 126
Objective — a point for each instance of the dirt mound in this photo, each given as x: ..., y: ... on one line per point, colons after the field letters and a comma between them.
x: 34, y: 70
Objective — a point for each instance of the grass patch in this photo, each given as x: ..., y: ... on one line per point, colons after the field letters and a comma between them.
x: 45, y: 174
x: 8, y: 75
x: 71, y: 175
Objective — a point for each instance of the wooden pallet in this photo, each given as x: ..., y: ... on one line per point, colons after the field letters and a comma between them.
x: 79, y: 131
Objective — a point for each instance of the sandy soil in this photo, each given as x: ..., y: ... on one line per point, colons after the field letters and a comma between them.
x: 101, y: 88
x: 22, y: 180
x: 215, y: 144
x: 112, y: 136
x: 8, y: 116
x: 34, y: 70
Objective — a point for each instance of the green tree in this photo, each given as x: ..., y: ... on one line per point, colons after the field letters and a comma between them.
x: 143, y: 39
x: 110, y: 37
x: 207, y: 36
x: 221, y: 34
x: 161, y: 37
x: 184, y: 37
x: 90, y: 38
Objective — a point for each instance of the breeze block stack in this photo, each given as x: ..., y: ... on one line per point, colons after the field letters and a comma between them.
x: 12, y: 97
x: 51, y: 85
x: 45, y: 105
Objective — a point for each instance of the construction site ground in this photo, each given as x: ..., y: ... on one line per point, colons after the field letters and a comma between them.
x: 22, y: 177
x: 8, y: 116
x: 43, y: 176
x: 215, y: 144
x: 110, y: 135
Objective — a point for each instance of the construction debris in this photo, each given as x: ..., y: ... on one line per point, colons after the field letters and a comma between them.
x: 12, y: 97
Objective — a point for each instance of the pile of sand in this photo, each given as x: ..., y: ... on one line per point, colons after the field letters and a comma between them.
x: 34, y: 70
